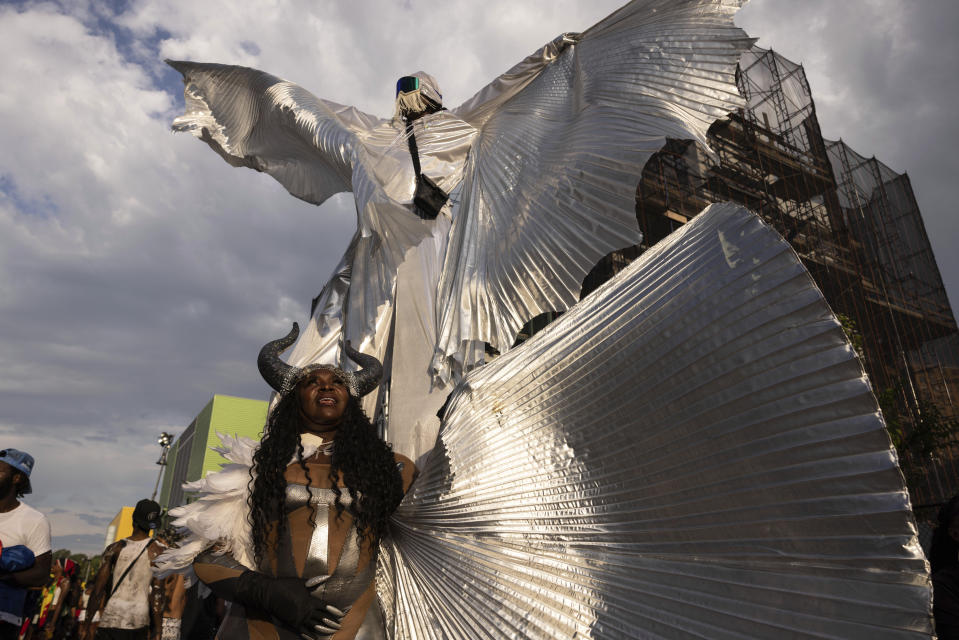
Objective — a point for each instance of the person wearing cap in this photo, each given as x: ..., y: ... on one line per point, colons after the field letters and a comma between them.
x: 127, y: 597
x: 25, y: 537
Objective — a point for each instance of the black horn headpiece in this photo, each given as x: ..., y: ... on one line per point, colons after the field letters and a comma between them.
x: 284, y: 378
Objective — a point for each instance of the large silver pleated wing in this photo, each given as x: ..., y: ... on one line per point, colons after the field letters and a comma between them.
x: 693, y: 451
x: 551, y: 183
x: 254, y: 119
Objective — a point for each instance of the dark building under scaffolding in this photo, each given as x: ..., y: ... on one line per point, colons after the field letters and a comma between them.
x: 856, y: 226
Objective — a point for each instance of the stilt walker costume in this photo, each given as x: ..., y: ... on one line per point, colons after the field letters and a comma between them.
x: 691, y: 451
x: 541, y: 167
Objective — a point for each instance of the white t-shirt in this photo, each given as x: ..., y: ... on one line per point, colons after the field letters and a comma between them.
x: 22, y: 525
x: 27, y: 526
x: 129, y: 606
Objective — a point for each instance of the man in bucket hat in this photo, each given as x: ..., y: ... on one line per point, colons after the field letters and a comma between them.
x: 25, y: 538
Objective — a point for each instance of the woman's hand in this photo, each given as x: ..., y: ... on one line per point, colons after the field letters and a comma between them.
x: 291, y: 602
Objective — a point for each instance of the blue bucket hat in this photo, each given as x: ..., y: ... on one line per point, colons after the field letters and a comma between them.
x: 22, y: 462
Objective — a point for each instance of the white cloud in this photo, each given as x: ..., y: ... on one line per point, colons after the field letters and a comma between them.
x: 75, y: 114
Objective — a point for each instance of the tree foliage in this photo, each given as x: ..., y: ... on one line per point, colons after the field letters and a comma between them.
x: 86, y: 565
x: 853, y: 334
x: 919, y: 435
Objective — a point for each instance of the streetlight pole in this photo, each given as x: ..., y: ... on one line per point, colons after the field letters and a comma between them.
x: 164, y: 440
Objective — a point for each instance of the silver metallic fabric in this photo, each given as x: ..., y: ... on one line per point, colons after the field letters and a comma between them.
x: 543, y: 164
x: 692, y: 451
x: 551, y: 186
x: 346, y: 583
x: 297, y: 496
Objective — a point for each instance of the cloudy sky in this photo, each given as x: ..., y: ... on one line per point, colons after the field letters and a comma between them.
x: 140, y: 274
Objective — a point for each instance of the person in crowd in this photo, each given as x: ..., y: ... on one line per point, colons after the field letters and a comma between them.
x: 48, y: 601
x: 62, y: 622
x: 65, y: 595
x: 25, y: 538
x: 174, y: 591
x: 82, y: 609
x: 127, y: 597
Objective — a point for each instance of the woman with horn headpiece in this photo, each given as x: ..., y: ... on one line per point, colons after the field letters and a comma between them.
x: 321, y: 488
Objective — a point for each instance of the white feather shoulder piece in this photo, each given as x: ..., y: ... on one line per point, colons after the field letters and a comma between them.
x: 219, y: 513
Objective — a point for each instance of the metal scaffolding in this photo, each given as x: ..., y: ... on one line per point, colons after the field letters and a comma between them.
x: 856, y: 226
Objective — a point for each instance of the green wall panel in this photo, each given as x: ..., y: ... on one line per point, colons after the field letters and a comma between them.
x: 223, y: 414
x: 199, y: 448
x: 234, y: 416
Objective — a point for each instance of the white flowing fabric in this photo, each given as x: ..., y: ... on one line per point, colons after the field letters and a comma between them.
x: 548, y: 158
x: 692, y: 451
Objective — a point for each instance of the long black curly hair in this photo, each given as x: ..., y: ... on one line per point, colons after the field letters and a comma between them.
x: 363, y: 462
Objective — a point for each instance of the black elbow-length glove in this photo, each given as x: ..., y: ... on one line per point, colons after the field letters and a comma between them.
x: 289, y: 601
